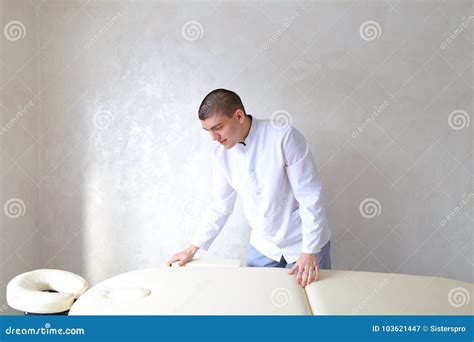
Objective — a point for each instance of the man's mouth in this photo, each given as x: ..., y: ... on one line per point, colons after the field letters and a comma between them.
x: 223, y: 141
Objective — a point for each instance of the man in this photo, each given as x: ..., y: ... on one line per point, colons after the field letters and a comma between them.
x: 271, y: 167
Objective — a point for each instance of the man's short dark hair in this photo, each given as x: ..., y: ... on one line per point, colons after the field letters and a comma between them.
x: 220, y: 101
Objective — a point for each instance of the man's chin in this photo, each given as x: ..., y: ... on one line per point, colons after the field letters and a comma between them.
x: 227, y: 145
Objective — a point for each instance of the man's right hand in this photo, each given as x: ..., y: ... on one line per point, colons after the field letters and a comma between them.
x: 183, y: 257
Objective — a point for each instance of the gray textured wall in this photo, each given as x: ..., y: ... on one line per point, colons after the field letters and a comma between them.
x: 104, y: 167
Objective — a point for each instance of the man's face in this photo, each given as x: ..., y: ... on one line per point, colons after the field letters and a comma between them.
x: 223, y: 129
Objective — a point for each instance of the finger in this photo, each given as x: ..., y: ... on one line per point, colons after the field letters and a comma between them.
x: 304, y: 279
x: 299, y: 275
x: 293, y: 269
x: 316, y: 273
x: 311, y: 276
x: 173, y: 259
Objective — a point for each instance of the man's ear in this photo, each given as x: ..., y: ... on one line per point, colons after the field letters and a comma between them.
x: 240, y: 115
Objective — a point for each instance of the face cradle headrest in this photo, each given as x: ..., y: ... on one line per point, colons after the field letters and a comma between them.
x: 45, y: 291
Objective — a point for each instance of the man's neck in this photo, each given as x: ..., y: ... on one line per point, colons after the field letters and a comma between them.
x: 247, y: 126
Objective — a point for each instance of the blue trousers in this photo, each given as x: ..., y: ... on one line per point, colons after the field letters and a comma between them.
x: 257, y: 259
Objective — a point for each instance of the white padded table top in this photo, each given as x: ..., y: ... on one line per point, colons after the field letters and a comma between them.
x: 196, y: 291
x: 219, y: 290
x: 373, y: 293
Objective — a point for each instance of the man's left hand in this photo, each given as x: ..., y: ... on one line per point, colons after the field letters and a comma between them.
x: 307, y: 269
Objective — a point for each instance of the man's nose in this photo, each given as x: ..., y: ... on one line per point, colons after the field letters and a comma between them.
x: 215, y: 136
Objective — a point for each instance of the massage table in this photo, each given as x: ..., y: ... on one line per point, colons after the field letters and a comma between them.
x: 222, y: 287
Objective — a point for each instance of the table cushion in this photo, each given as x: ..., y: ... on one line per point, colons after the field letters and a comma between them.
x: 28, y: 291
x: 372, y: 293
x: 196, y: 291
